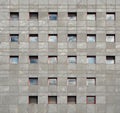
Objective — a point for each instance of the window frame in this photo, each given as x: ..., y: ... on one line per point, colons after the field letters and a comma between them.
x: 16, y: 58
x: 33, y: 36
x: 91, y: 14
x: 14, y: 36
x: 91, y: 78
x: 33, y: 15
x: 91, y: 36
x: 109, y: 59
x: 33, y: 58
x: 73, y: 101
x: 72, y: 16
x: 14, y: 16
x: 69, y: 61
x: 52, y: 97
x: 35, y: 79
x: 52, y: 78
x: 54, y: 14
x: 72, y: 83
x: 91, y: 102
x: 110, y: 18
x: 31, y: 97
x: 92, y: 57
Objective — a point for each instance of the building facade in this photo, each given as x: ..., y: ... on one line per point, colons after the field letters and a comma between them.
x: 59, y: 56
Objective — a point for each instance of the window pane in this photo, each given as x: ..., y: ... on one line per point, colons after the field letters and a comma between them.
x: 110, y: 16
x: 110, y: 60
x: 33, y: 100
x: 33, y: 59
x: 33, y: 81
x: 33, y: 15
x: 72, y: 16
x: 91, y: 38
x: 72, y: 38
x: 52, y: 100
x: 91, y: 81
x: 71, y: 81
x: 91, y: 100
x: 14, y: 59
x: 110, y: 38
x: 14, y: 16
x: 72, y: 59
x: 71, y: 100
x: 52, y: 38
x: 33, y: 37
x: 91, y: 16
x: 14, y: 37
x: 91, y: 60
x: 52, y: 16
x: 52, y: 59
x: 52, y: 81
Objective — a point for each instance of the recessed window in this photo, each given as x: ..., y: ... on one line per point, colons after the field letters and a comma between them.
x: 91, y: 59
x: 33, y: 37
x: 72, y: 38
x: 33, y: 59
x: 110, y: 59
x: 71, y: 99
x: 52, y: 99
x: 52, y: 59
x: 53, y: 15
x: 14, y: 16
x: 33, y: 81
x: 72, y: 16
x: 52, y: 81
x: 33, y: 99
x: 91, y: 38
x: 33, y: 15
x: 91, y: 16
x: 14, y: 37
x: 72, y: 59
x: 14, y: 59
x: 52, y: 37
x: 110, y: 16
x: 110, y: 38
x: 91, y: 99
x: 91, y: 81
x: 71, y: 81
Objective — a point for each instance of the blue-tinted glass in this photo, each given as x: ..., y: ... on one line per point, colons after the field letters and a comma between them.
x: 33, y: 60
x: 14, y: 60
x: 33, y: 81
x: 14, y: 38
x: 91, y: 60
x: 53, y: 16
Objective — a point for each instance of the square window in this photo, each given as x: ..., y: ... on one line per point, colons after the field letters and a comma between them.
x: 71, y: 99
x: 52, y: 59
x: 91, y: 38
x: 52, y: 99
x: 52, y: 81
x: 72, y: 59
x: 91, y: 59
x: 52, y: 37
x: 33, y: 15
x: 33, y: 99
x: 110, y: 16
x: 72, y: 38
x: 71, y: 81
x: 110, y: 59
x: 110, y: 38
x: 91, y: 81
x: 14, y: 59
x: 91, y: 100
x: 72, y: 15
x: 14, y: 37
x: 53, y: 16
x: 14, y: 16
x: 91, y: 16
x: 33, y: 59
x: 33, y: 81
x: 33, y: 37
